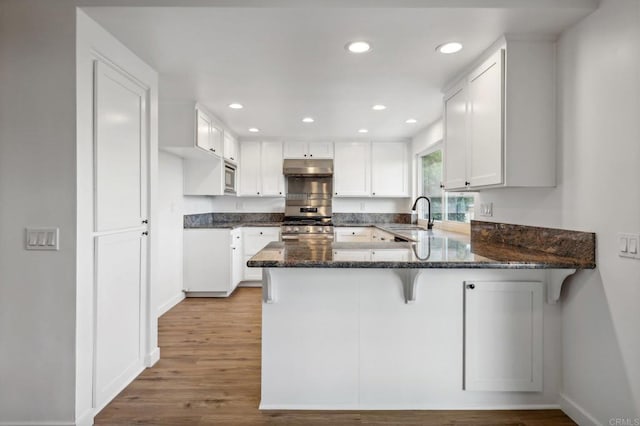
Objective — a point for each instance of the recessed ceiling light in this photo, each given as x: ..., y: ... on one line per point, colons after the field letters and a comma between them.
x: 451, y: 47
x: 363, y: 131
x: 411, y: 121
x: 308, y: 120
x: 378, y: 107
x: 235, y: 106
x: 254, y: 130
x: 358, y: 47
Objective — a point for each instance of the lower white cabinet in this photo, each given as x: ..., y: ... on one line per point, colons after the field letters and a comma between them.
x: 380, y: 236
x: 353, y: 235
x: 254, y: 239
x: 503, y: 325
x: 208, y: 260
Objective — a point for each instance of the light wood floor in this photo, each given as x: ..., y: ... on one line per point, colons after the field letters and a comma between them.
x: 209, y: 374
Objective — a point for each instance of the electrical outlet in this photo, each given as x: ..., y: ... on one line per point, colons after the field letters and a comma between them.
x: 629, y: 245
x: 486, y: 209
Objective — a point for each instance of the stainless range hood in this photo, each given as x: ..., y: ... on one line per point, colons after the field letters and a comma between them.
x: 308, y: 167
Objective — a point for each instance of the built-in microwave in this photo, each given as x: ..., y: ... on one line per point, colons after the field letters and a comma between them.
x: 229, y: 178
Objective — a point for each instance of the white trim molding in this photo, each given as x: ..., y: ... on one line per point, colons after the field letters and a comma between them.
x: 577, y: 413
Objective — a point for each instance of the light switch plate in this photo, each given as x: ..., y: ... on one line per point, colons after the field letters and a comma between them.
x: 486, y: 209
x: 629, y: 245
x: 42, y: 238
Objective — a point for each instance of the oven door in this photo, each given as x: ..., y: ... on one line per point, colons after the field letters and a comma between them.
x: 229, y: 178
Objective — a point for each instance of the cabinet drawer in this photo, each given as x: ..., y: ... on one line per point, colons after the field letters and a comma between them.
x: 351, y: 255
x: 356, y: 234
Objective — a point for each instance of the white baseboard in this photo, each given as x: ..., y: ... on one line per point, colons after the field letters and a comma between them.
x: 165, y: 307
x: 250, y: 284
x: 576, y: 412
x: 86, y: 419
x: 402, y: 407
x: 152, y: 358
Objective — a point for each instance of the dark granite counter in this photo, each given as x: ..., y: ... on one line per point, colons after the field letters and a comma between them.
x: 434, y: 249
x: 233, y: 225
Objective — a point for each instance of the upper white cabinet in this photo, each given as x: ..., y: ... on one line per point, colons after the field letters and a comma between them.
x: 316, y: 150
x: 352, y: 169
x: 455, y: 112
x: 365, y: 169
x: 230, y: 147
x: 261, y: 171
x: 389, y: 170
x: 208, y: 134
x: 503, y: 325
x: 499, y: 119
x: 188, y: 130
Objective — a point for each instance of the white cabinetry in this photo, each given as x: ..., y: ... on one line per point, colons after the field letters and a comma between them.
x: 261, y: 170
x: 254, y: 239
x: 319, y: 150
x: 455, y: 130
x: 378, y: 235
x: 208, y: 259
x: 503, y: 336
x: 389, y: 170
x: 352, y: 169
x: 237, y: 255
x: 500, y: 125
x: 208, y: 134
x: 186, y: 129
x: 365, y: 169
x: 353, y: 235
x: 230, y: 147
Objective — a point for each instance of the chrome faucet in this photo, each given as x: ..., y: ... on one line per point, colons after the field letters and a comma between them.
x: 413, y: 210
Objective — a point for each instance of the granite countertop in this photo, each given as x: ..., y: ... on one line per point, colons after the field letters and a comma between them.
x: 233, y: 225
x: 433, y: 249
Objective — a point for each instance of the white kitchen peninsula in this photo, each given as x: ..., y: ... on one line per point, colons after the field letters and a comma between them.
x: 425, y: 325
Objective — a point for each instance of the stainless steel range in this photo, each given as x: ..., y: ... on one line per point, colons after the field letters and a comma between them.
x: 309, y: 186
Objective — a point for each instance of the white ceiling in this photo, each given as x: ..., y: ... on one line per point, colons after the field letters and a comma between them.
x: 284, y: 64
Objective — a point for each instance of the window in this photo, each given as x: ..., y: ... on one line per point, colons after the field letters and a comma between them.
x: 445, y: 206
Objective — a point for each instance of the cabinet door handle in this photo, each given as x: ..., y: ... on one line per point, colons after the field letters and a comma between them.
x: 336, y: 193
x: 374, y: 193
x: 211, y: 149
x: 310, y: 155
x: 231, y: 158
x: 258, y: 193
x: 467, y: 183
x: 305, y: 155
x: 145, y: 233
x: 471, y: 286
x: 145, y: 221
x: 260, y: 233
x: 441, y: 185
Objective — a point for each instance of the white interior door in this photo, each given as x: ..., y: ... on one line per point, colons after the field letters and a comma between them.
x: 119, y: 350
x: 121, y: 186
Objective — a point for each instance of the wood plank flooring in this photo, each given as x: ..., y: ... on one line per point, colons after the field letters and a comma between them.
x: 209, y: 374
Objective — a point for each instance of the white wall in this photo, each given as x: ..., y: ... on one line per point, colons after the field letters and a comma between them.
x: 37, y: 188
x: 599, y: 154
x: 599, y: 104
x: 168, y: 287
